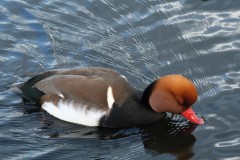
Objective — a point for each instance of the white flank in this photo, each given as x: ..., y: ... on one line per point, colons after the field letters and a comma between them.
x: 74, y: 112
x: 110, y: 98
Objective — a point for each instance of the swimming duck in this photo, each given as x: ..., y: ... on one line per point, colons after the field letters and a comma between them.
x: 95, y: 96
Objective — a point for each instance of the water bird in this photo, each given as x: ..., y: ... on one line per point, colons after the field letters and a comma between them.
x: 96, y: 96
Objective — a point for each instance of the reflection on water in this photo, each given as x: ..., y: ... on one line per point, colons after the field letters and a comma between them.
x: 163, y: 137
x: 141, y: 39
x: 168, y: 137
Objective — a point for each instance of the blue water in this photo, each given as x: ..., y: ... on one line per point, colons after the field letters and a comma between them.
x: 141, y: 39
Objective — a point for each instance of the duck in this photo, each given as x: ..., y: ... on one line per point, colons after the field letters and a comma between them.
x: 97, y: 96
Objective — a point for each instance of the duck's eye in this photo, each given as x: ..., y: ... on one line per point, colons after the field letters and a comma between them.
x: 180, y: 101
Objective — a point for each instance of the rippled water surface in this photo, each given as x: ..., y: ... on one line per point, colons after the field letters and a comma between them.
x: 141, y: 39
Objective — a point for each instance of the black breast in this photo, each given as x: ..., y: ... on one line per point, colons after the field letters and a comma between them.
x: 131, y: 113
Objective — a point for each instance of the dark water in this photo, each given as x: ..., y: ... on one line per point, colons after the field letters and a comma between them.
x: 141, y: 39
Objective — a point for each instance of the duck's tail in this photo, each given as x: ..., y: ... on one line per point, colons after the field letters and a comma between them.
x: 27, y: 90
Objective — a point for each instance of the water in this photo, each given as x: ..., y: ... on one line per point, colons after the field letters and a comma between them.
x: 141, y: 39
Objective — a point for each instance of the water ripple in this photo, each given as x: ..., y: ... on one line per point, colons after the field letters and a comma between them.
x: 230, y: 143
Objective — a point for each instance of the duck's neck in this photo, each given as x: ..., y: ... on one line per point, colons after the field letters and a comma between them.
x: 146, y: 94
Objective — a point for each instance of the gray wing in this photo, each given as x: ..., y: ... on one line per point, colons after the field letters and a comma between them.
x: 87, y: 84
x: 76, y: 87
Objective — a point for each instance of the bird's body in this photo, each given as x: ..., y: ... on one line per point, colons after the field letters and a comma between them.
x: 95, y: 96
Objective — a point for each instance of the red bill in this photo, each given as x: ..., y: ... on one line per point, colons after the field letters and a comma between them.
x: 191, y: 116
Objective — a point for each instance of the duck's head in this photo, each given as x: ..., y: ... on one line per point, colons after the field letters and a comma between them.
x: 175, y: 94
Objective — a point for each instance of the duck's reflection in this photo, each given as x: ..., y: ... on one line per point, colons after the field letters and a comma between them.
x: 169, y: 137
x: 165, y: 136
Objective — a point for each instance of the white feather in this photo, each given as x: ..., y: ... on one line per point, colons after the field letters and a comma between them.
x: 124, y: 77
x: 61, y: 95
x: 74, y: 112
x: 110, y: 98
